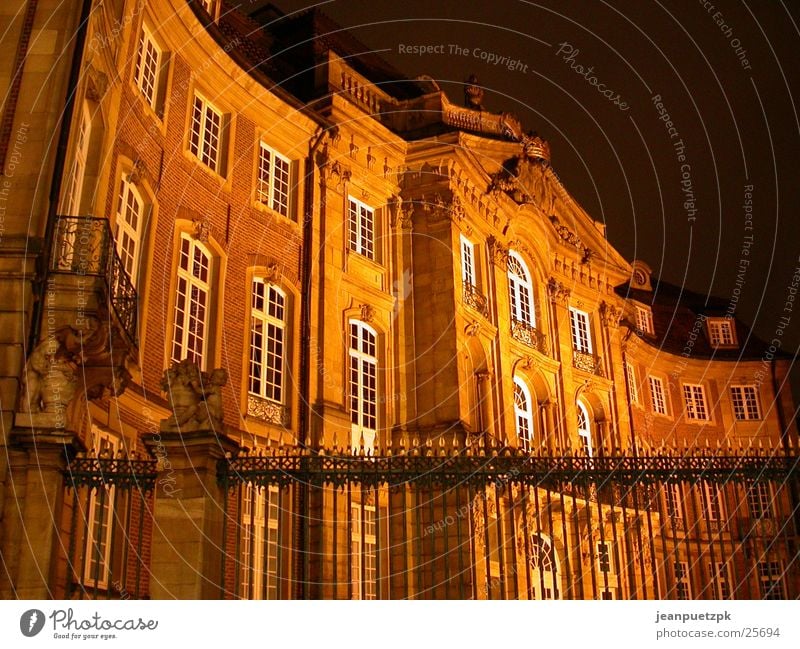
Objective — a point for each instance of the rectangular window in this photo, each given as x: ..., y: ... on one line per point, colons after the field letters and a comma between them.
x: 468, y: 274
x: 605, y: 559
x: 581, y: 336
x: 644, y: 319
x: 721, y: 332
x: 673, y: 500
x: 205, y: 138
x: 683, y: 589
x: 362, y: 228
x: 72, y: 200
x: 363, y: 386
x: 128, y: 227
x: 713, y: 502
x: 722, y: 579
x: 633, y: 387
x: 259, y: 559
x: 100, y: 518
x: 148, y: 63
x: 273, y: 179
x: 694, y: 397
x: 267, y: 340
x: 192, y: 303
x: 769, y: 576
x: 657, y: 395
x: 363, y: 538
x: 745, y: 402
x: 759, y: 500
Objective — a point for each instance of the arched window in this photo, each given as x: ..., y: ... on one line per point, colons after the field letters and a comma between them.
x: 521, y: 291
x: 523, y: 414
x: 544, y: 568
x: 267, y: 341
x: 585, y: 429
x: 192, y: 302
x: 128, y: 228
x: 363, y: 384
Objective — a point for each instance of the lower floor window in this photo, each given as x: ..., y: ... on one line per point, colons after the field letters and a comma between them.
x: 363, y: 550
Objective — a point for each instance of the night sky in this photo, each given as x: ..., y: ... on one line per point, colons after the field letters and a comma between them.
x: 673, y: 195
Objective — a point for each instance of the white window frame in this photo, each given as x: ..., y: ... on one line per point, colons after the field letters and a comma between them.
x: 469, y: 273
x: 721, y: 332
x: 206, y: 132
x: 759, y: 500
x: 100, y: 532
x: 523, y: 415
x: 745, y: 402
x: 259, y: 535
x: 580, y: 328
x: 363, y: 384
x: 633, y: 386
x: 147, y: 71
x: 129, y: 226
x: 267, y: 362
x: 544, y: 567
x: 770, y: 579
x: 721, y: 575
x: 363, y: 552
x: 695, y: 402
x: 585, y: 428
x: 523, y: 307
x: 72, y: 199
x: 274, y: 180
x: 361, y: 228
x: 193, y: 285
x: 658, y: 395
x: 673, y: 500
x: 644, y: 319
x: 713, y: 502
x: 682, y: 579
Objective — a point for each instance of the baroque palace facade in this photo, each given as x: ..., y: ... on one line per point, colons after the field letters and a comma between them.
x: 280, y: 323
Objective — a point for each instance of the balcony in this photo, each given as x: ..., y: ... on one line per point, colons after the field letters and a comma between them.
x: 529, y: 335
x: 266, y: 410
x: 587, y: 362
x: 475, y: 299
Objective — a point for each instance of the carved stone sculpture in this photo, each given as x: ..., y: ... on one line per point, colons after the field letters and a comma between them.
x: 49, y: 381
x: 195, y: 398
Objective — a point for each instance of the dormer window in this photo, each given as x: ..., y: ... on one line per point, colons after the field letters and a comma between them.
x: 644, y: 319
x: 721, y: 332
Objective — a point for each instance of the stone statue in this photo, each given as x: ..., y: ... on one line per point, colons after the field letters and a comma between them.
x: 195, y: 398
x: 473, y: 94
x: 49, y: 381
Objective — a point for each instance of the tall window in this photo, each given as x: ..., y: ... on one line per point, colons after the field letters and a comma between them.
x: 267, y: 341
x: 192, y: 302
x: 769, y: 577
x: 673, y: 500
x: 585, y: 430
x: 101, y: 518
x: 759, y: 500
x: 364, y: 567
x: 644, y: 319
x: 273, y: 179
x: 695, y: 398
x: 605, y: 557
x: 260, y: 516
x: 128, y: 228
x: 148, y: 63
x: 523, y: 414
x: 581, y: 336
x: 521, y: 290
x: 713, y: 502
x: 721, y: 333
x: 657, y: 395
x: 544, y: 568
x: 363, y: 384
x: 683, y: 587
x: 72, y: 201
x: 633, y: 387
x: 745, y: 402
x: 361, y: 220
x: 720, y: 572
x: 205, y: 138
x: 468, y: 274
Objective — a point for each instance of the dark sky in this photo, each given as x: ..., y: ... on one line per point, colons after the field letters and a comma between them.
x: 735, y: 112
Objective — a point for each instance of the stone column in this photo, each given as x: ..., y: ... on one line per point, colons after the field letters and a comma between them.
x: 486, y: 403
x: 188, y: 541
x: 33, y: 530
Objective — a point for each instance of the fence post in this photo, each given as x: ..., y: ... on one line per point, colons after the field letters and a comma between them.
x: 187, y: 545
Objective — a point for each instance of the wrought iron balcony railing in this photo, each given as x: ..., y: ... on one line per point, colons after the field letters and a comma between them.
x: 475, y: 299
x: 587, y: 362
x: 266, y: 410
x: 529, y: 335
x: 84, y: 245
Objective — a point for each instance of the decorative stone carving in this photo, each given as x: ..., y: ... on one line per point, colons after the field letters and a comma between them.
x: 558, y: 293
x: 269, y: 411
x: 201, y: 229
x: 609, y: 314
x: 96, y: 83
x: 137, y: 170
x: 498, y: 253
x: 472, y: 328
x: 525, y: 177
x: 49, y: 381
x: 195, y: 398
x: 572, y: 239
x: 367, y: 312
x: 473, y: 94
